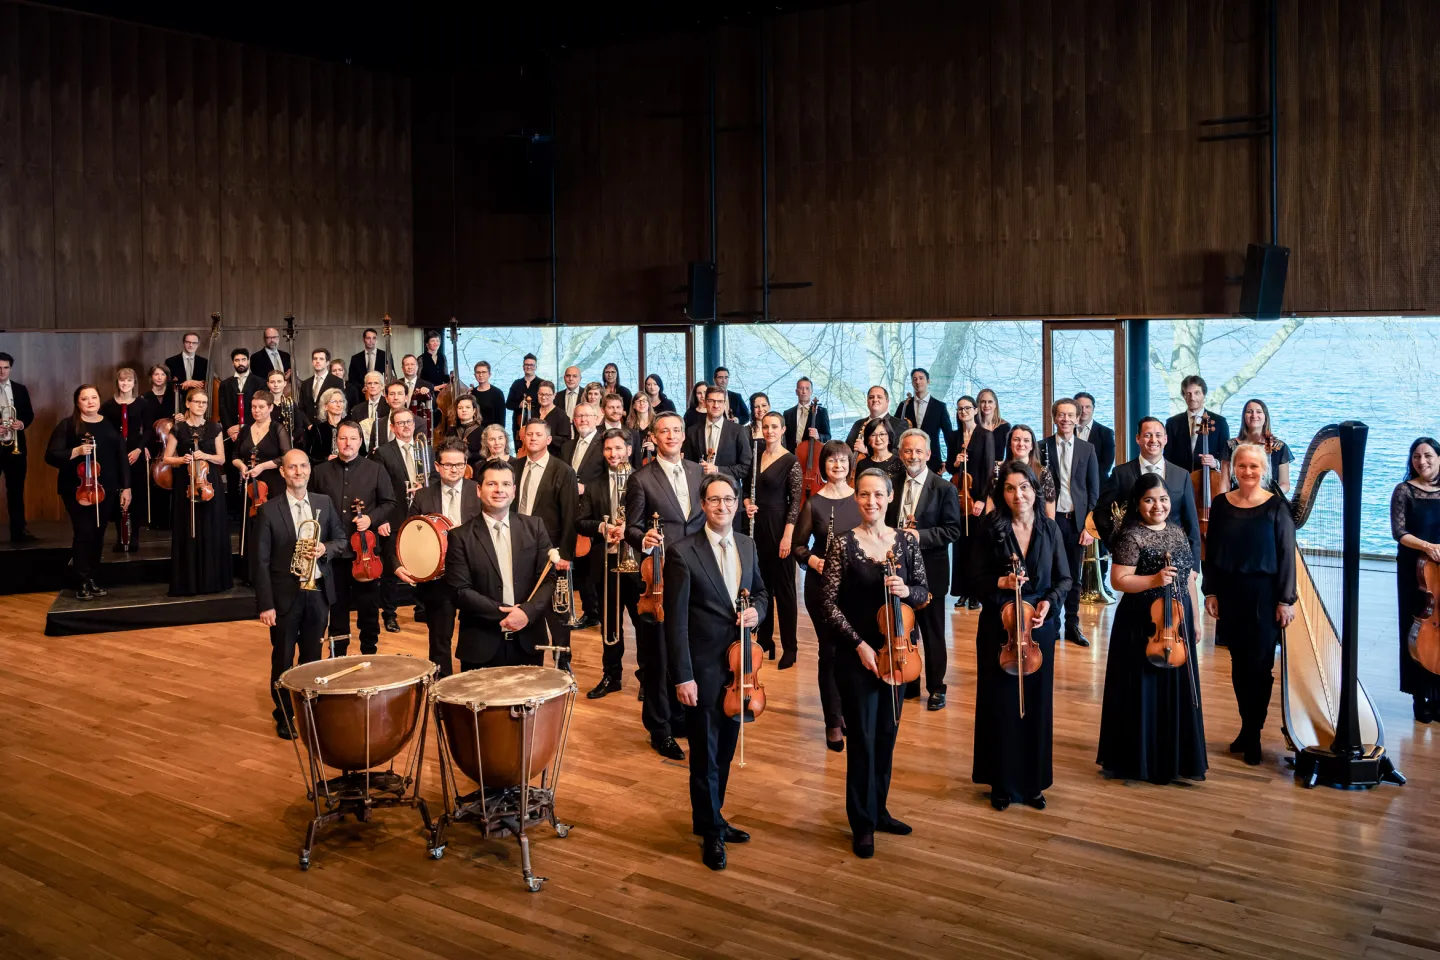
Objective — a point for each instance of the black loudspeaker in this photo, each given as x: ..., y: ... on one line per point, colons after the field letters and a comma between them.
x: 1263, y: 291
x: 700, y: 301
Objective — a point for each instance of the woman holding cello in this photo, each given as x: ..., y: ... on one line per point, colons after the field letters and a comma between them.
x: 1415, y: 524
x: 863, y: 568
x: 258, y: 452
x: 1013, y: 751
x: 776, y: 487
x: 974, y: 459
x: 158, y: 404
x: 94, y: 482
x: 1150, y: 722
x: 199, y: 534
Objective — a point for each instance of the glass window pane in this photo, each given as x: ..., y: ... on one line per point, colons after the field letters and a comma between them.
x: 556, y: 348
x: 1084, y: 360
x: 665, y: 356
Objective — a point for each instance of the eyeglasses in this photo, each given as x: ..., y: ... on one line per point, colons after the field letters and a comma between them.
x: 403, y: 423
x: 966, y: 409
x: 452, y: 466
x: 722, y: 501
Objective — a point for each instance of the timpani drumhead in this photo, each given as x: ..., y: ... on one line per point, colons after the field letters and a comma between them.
x: 385, y: 671
x: 487, y: 738
x: 504, y: 686
x: 361, y: 720
x: 420, y: 545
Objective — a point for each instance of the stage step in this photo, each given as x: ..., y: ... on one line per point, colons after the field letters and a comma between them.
x: 139, y: 606
x: 44, y: 564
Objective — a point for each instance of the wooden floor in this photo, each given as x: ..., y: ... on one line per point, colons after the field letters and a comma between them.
x: 148, y: 810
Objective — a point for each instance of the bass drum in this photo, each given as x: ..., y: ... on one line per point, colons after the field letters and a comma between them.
x: 421, y: 544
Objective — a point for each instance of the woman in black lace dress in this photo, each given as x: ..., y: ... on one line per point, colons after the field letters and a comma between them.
x: 856, y: 587
x: 1150, y: 723
x: 127, y: 413
x: 267, y: 439
x: 199, y: 555
x: 1415, y: 524
x: 778, y: 484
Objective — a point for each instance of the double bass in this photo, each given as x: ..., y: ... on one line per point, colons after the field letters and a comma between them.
x: 447, y: 400
x: 1425, y: 632
x: 1020, y: 655
x: 1168, y: 646
x: 1205, y: 480
x: 652, y: 575
x: 745, y: 694
x: 160, y: 471
x: 808, y: 452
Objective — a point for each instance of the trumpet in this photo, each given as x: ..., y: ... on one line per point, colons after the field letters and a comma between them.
x: 9, y: 436
x: 302, y: 558
x: 563, y: 601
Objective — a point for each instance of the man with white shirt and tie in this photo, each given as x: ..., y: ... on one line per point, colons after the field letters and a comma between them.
x: 668, y: 486
x: 369, y: 360
x: 494, y: 563
x: 234, y: 415
x: 187, y: 371
x: 415, y: 388
x: 1095, y: 433
x: 877, y: 403
x: 1151, y: 441
x: 601, y: 512
x: 457, y: 500
x: 1184, y: 445
x: 296, y: 616
x: 372, y: 413
x: 924, y: 412
x: 13, y: 459
x: 402, y: 460
x: 569, y: 399
x: 718, y: 443
x: 1077, y: 486
x: 546, y: 489
x: 584, y: 454
x: 270, y: 357
x: 320, y: 380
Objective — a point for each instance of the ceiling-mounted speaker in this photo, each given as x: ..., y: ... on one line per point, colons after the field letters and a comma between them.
x: 1262, y: 293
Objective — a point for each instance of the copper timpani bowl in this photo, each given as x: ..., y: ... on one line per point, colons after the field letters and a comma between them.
x: 362, y: 719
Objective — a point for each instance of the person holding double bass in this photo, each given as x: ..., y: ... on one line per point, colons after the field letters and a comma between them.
x: 863, y: 568
x: 1415, y: 524
x: 199, y: 532
x: 90, y: 455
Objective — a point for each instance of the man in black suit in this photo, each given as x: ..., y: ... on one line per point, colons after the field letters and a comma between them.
x: 704, y: 575
x: 415, y: 386
x: 15, y: 401
x: 234, y: 414
x: 546, y: 489
x: 584, y: 453
x: 1150, y: 441
x: 296, y: 617
x: 187, y: 370
x: 372, y: 413
x: 369, y: 360
x: 347, y: 478
x: 929, y: 414
x: 494, y: 564
x: 798, y: 425
x: 270, y: 357
x: 931, y: 501
x: 730, y: 443
x: 458, y: 500
x: 734, y: 407
x: 1184, y: 445
x: 1077, y: 484
x: 312, y: 387
x: 402, y: 461
x: 1099, y: 436
x: 601, y: 518
x: 570, y: 397
x: 669, y: 486
x: 877, y: 401
x: 523, y: 389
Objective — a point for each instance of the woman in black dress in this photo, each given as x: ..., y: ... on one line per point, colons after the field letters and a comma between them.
x: 265, y: 442
x: 1021, y: 440
x: 856, y: 589
x: 757, y: 418
x: 975, y: 454
x: 467, y: 427
x: 880, y: 443
x: 127, y: 413
x: 610, y: 383
x: 86, y: 433
x: 199, y: 554
x: 1150, y: 723
x: 321, y: 439
x: 655, y: 390
x: 1013, y: 753
x: 159, y: 404
x: 987, y: 405
x: 1255, y: 428
x: 830, y: 511
x: 638, y: 421
x: 777, y: 482
x: 1415, y: 524
x: 695, y: 412
x: 1249, y: 587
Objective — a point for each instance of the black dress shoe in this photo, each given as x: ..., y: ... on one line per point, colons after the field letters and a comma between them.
x: 936, y: 702
x: 1239, y: 743
x: 1077, y: 638
x: 959, y: 603
x: 667, y: 748
x: 605, y: 686
x: 999, y: 802
x: 1037, y: 801
x: 82, y: 592
x: 24, y: 536
x: 640, y: 694
x: 96, y: 589
x: 392, y: 623
x: 713, y: 853
x: 835, y: 745
x: 973, y: 604
x: 1253, y: 755
x: 734, y: 835
x: 897, y: 827
x: 419, y: 613
x: 282, y: 730
x: 864, y: 845
x: 787, y: 660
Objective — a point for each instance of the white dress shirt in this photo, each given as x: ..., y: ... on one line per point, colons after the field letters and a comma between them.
x: 1157, y: 468
x: 678, y: 483
x: 7, y: 396
x: 727, y: 558
x: 500, y: 537
x: 1064, y: 452
x: 1082, y: 430
x: 921, y: 404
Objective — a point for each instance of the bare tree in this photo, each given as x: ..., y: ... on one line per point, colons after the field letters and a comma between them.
x: 1188, y: 340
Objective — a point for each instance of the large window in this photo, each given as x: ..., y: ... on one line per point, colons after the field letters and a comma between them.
x: 555, y: 348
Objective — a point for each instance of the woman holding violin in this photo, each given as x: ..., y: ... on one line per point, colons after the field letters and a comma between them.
x: 94, y: 482
x: 1415, y: 524
x: 322, y: 435
x: 1249, y: 584
x: 1021, y: 440
x: 127, y: 413
x: 199, y: 534
x: 259, y: 449
x: 1151, y: 727
x: 974, y: 459
x: 1255, y: 428
x: 1022, y: 548
x: 638, y: 421
x: 773, y: 511
x: 865, y: 567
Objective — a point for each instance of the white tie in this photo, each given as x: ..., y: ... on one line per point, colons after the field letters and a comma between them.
x: 500, y: 533
x: 728, y: 569
x: 682, y: 490
x: 528, y: 492
x: 409, y: 462
x: 452, y: 506
x: 1064, y: 502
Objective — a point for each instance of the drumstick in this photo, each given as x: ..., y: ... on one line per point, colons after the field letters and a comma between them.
x: 340, y: 673
x: 543, y: 574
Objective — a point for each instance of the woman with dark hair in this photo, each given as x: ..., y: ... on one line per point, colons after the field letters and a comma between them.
x: 638, y: 422
x: 830, y: 511
x: 856, y: 588
x: 880, y: 441
x: 610, y: 383
x: 199, y: 554
x: 1013, y: 753
x: 695, y: 412
x: 1151, y: 727
x: 86, y: 433
x: 776, y: 507
x: 655, y: 390
x: 1022, y: 447
x: 128, y: 413
x: 1415, y: 524
x: 757, y: 416
x: 1255, y: 428
x: 158, y: 403
x: 267, y: 439
x: 974, y: 448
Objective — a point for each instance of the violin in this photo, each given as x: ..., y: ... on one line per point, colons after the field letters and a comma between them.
x: 257, y: 491
x: 652, y: 575
x: 1020, y: 655
x: 366, y: 565
x: 898, y: 660
x: 90, y: 492
x: 808, y: 452
x: 201, y: 489
x: 1167, y: 646
x: 745, y: 694
x: 1425, y: 634
x: 963, y: 483
x: 1205, y: 480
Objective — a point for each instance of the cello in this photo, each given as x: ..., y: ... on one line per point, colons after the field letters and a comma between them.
x: 1168, y: 646
x: 1205, y: 480
x: 1020, y: 655
x: 652, y: 575
x: 367, y: 565
x: 1425, y: 633
x: 745, y: 694
x: 808, y: 452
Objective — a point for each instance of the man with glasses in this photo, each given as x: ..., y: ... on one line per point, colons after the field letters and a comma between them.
x: 734, y: 407
x: 187, y: 370
x: 458, y: 500
x: 270, y: 356
x: 719, y: 444
x: 526, y: 388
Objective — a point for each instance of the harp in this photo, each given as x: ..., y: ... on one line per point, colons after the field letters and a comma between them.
x: 1330, y: 721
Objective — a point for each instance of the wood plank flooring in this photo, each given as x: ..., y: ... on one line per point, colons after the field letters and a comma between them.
x: 148, y: 810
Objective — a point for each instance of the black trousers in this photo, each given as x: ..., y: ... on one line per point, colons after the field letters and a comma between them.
x: 872, y: 708
x: 302, y: 627
x: 389, y: 587
x: 87, y: 538
x: 779, y: 577
x: 585, y: 587
x: 439, y: 604
x: 1070, y: 529
x: 559, y: 636
x: 363, y: 597
x: 12, y: 469
x: 509, y: 654
x: 829, y: 690
x: 712, y: 746
x: 661, y: 712
x: 612, y: 657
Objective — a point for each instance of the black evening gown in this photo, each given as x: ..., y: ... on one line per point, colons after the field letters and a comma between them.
x: 199, y: 564
x: 1150, y: 726
x: 130, y: 420
x: 980, y: 450
x: 1013, y: 754
x: 272, y: 446
x: 812, y: 536
x: 156, y: 408
x: 777, y: 492
x: 1416, y: 512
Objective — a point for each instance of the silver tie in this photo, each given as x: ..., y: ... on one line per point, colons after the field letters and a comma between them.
x: 727, y: 569
x: 682, y: 490
x: 502, y: 557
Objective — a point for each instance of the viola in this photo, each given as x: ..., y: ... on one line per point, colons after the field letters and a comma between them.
x: 1167, y: 646
x: 160, y: 471
x: 745, y: 694
x: 366, y: 565
x: 1205, y: 480
x: 257, y: 491
x: 898, y: 660
x: 963, y: 483
x: 90, y: 492
x: 808, y: 451
x: 1425, y: 634
x: 652, y: 575
x: 1020, y: 655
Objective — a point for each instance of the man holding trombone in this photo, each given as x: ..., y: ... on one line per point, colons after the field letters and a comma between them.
x: 602, y: 519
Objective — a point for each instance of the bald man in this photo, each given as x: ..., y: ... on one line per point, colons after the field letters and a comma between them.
x: 270, y: 357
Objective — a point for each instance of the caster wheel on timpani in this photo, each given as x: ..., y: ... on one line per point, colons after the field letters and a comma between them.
x: 436, y: 853
x: 304, y: 862
x: 534, y: 884
x: 562, y: 830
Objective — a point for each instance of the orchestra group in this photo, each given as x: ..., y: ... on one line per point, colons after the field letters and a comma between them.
x: 617, y: 503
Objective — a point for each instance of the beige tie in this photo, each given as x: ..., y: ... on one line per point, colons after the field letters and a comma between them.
x: 729, y: 568
x: 501, y: 535
x: 682, y: 489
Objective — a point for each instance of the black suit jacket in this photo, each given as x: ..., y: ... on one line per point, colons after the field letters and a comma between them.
x: 275, y: 586
x: 1102, y: 438
x: 700, y: 613
x: 307, y: 393
x: 1177, y: 441
x: 428, y: 399
x: 360, y: 478
x: 732, y: 456
x: 648, y: 492
x: 1084, y: 475
x: 595, y: 506
x: 473, y: 574
x: 434, y: 371
x: 592, y: 468
x: 260, y: 364
x: 388, y: 456
x: 936, y: 426
x: 937, y: 521
x: 430, y: 500
x: 556, y: 501
x: 380, y: 432
x: 176, y: 366
x: 235, y: 409
x: 738, y: 406
x: 821, y: 423
x: 356, y: 377
x: 24, y: 412
x: 1182, y: 501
